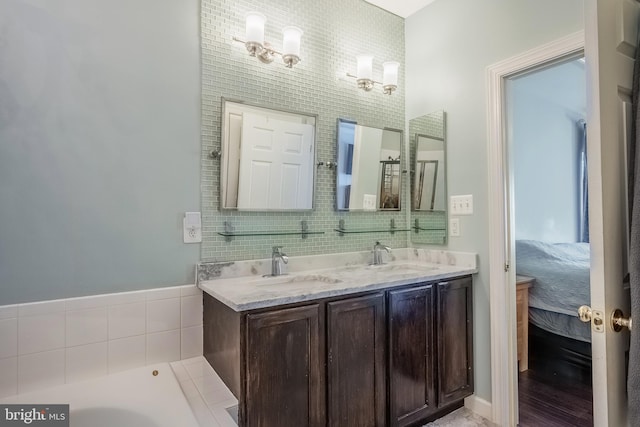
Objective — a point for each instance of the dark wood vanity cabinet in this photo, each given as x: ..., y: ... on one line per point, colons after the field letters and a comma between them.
x: 394, y: 357
x: 318, y: 364
x: 284, y: 377
x: 455, y: 340
x: 356, y: 343
x: 412, y: 394
x: 430, y: 349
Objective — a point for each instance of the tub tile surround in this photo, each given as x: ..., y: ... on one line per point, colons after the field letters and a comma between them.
x: 65, y: 341
x: 241, y: 284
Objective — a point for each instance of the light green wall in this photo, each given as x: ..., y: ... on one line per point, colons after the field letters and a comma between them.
x: 546, y: 115
x: 101, y: 129
x: 100, y: 150
x: 99, y: 146
x: 335, y: 31
x: 449, y: 45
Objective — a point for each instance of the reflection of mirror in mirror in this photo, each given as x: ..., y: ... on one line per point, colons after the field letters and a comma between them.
x: 268, y: 159
x: 369, y: 175
x: 428, y: 178
x: 429, y: 194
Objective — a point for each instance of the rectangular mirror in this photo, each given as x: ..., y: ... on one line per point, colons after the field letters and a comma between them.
x: 428, y: 178
x: 369, y: 176
x: 429, y: 189
x: 267, y: 160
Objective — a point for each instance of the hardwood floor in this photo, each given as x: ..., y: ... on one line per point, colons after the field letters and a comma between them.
x: 551, y: 400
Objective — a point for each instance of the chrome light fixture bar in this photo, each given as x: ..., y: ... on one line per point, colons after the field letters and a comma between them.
x: 263, y: 50
x: 364, y: 76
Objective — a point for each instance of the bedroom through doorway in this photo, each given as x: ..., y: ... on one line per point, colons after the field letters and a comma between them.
x: 546, y: 140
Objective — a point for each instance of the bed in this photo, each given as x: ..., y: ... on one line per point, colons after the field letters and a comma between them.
x: 561, y: 273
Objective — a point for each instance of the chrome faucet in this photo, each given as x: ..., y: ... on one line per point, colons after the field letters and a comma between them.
x: 377, y: 253
x: 277, y: 258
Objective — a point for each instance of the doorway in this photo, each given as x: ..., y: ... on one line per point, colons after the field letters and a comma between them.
x: 545, y: 112
x: 609, y: 43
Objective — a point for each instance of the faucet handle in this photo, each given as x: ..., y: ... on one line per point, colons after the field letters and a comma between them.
x: 276, y: 249
x: 379, y: 246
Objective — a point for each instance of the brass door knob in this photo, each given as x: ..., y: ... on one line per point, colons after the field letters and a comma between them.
x: 584, y: 313
x: 618, y: 321
x: 595, y: 317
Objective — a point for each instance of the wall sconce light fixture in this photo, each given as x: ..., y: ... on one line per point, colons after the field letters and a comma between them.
x: 364, y: 74
x: 263, y: 50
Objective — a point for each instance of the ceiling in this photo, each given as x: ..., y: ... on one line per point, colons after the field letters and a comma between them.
x: 402, y: 8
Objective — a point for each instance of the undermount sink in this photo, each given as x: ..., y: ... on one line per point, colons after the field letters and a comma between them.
x: 271, y: 281
x: 401, y: 268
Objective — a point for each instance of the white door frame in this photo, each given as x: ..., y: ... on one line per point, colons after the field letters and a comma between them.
x: 504, y: 390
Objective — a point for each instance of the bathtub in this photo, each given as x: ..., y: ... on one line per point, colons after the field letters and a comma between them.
x: 135, y: 398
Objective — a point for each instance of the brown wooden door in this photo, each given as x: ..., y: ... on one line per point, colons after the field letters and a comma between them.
x: 285, y: 379
x: 455, y: 340
x: 411, y: 354
x: 356, y: 339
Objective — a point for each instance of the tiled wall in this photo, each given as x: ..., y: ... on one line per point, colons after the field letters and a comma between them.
x: 64, y: 341
x: 430, y: 124
x: 335, y: 31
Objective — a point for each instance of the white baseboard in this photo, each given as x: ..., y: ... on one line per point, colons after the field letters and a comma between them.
x: 479, y: 406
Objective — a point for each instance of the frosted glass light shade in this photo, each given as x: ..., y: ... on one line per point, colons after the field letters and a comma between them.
x: 255, y: 28
x: 390, y: 73
x: 365, y: 67
x: 291, y: 41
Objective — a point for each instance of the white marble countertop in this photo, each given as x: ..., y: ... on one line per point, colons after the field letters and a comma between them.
x: 242, y: 286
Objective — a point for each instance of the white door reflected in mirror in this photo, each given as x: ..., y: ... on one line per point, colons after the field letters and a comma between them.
x: 276, y: 164
x: 268, y: 159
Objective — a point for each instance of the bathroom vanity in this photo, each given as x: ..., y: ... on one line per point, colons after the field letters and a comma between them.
x: 387, y: 345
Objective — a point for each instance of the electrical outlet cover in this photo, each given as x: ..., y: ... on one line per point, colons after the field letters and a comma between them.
x: 454, y: 227
x: 192, y: 227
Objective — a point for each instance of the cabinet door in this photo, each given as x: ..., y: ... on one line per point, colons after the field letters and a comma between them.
x: 411, y: 354
x: 284, y: 378
x: 455, y: 340
x: 356, y: 342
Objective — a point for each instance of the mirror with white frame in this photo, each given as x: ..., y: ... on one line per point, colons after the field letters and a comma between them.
x: 267, y: 159
x: 369, y: 175
x: 429, y: 174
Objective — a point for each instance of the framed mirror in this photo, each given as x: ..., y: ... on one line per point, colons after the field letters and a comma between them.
x: 429, y: 193
x: 369, y: 175
x: 428, y: 178
x: 267, y: 159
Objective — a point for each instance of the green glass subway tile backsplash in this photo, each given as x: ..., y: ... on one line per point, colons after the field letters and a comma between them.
x: 335, y: 31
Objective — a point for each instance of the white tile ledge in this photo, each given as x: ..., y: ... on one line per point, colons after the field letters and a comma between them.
x: 95, y: 301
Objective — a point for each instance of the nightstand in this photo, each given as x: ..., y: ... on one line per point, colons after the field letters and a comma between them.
x: 523, y: 283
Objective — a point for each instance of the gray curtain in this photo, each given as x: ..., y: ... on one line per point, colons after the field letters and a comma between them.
x: 582, y: 182
x: 633, y: 380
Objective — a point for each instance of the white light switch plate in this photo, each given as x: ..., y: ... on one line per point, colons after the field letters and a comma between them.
x: 454, y: 227
x: 461, y: 205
